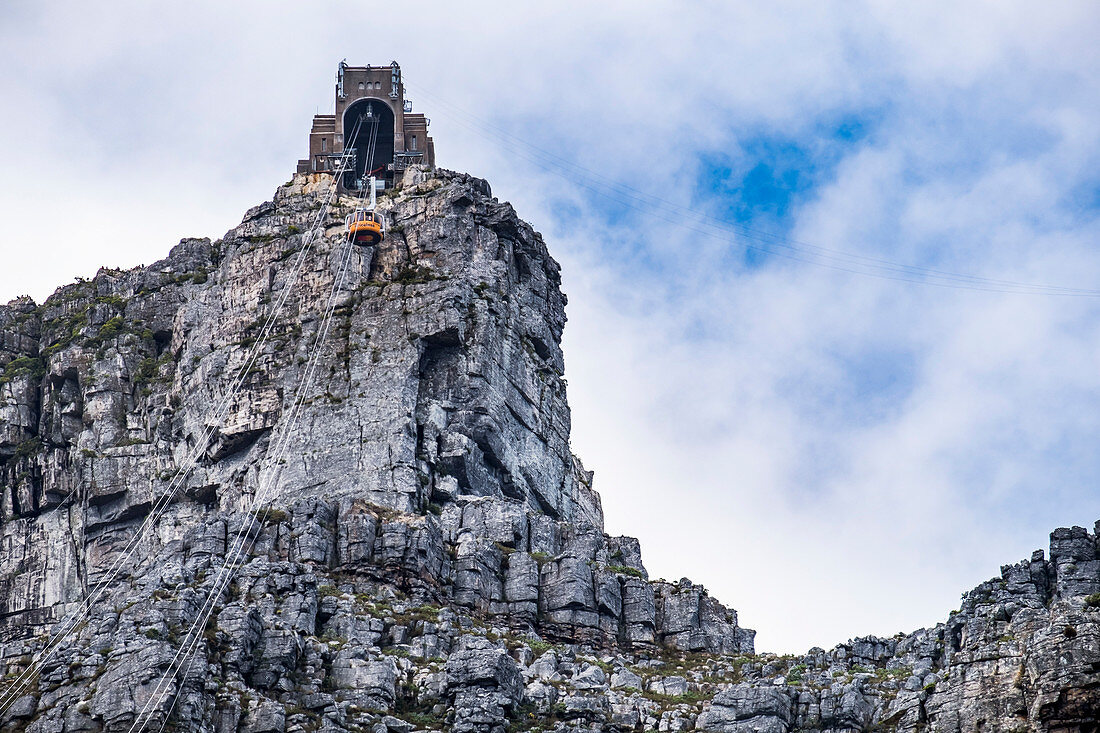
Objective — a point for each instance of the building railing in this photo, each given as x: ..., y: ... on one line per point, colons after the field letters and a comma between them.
x: 332, y: 162
x: 403, y: 160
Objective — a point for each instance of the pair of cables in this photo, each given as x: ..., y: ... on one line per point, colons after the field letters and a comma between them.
x: 70, y: 624
x: 240, y: 548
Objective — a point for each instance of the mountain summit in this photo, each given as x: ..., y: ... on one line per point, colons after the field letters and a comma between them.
x: 281, y: 482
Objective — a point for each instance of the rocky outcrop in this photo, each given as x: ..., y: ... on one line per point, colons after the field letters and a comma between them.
x: 149, y: 420
x: 187, y: 538
x: 1023, y: 653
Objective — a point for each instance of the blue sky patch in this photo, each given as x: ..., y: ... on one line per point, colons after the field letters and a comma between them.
x: 762, y: 184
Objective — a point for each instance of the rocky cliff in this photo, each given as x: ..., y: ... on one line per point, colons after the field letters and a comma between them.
x: 276, y: 483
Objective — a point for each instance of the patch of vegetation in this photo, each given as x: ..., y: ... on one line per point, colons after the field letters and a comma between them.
x: 423, y: 613
x: 112, y: 300
x: 149, y: 369
x: 66, y: 329
x: 286, y: 254
x: 415, y: 275
x: 374, y: 608
x: 897, y: 673
x: 381, y: 513
x: 146, y: 371
x: 28, y: 448
x: 624, y: 570
x: 270, y: 516
x: 1092, y: 601
x: 112, y: 328
x: 426, y: 720
x: 23, y: 366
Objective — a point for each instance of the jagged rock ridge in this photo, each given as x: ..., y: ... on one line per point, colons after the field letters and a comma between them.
x: 431, y: 555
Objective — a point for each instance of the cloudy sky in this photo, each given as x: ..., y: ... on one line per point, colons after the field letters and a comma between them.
x: 807, y: 354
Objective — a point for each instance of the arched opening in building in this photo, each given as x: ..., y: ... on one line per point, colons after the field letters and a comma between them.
x: 372, y: 111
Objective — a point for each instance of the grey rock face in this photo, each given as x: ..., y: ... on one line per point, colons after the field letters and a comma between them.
x: 746, y: 707
x: 486, y: 684
x: 411, y: 545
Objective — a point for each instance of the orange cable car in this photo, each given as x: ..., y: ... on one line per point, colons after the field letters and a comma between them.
x: 365, y: 227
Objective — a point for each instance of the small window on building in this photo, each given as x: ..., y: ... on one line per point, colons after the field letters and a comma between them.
x: 377, y: 85
x: 361, y: 85
x: 412, y: 144
x: 324, y: 144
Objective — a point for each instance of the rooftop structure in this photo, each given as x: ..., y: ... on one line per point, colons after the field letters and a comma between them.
x: 373, y: 125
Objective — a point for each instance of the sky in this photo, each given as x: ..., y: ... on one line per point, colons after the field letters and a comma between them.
x: 833, y: 268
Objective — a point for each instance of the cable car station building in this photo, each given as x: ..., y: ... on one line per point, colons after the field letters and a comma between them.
x: 402, y: 140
